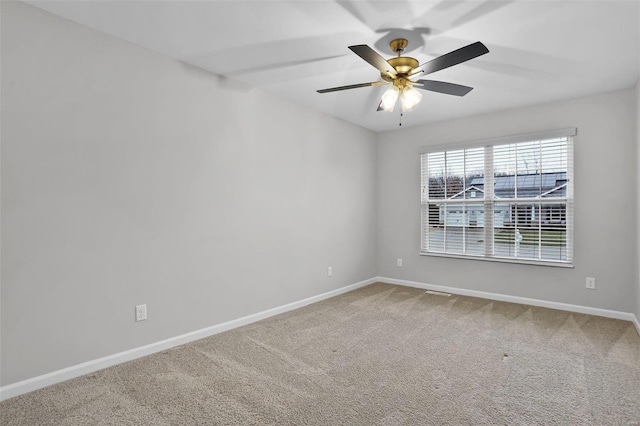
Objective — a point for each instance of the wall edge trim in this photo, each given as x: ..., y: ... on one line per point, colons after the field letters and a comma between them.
x: 636, y: 322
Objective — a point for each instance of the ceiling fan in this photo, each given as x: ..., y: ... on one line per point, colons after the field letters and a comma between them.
x: 399, y: 70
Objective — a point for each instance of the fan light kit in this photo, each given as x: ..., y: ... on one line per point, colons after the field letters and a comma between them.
x: 399, y: 70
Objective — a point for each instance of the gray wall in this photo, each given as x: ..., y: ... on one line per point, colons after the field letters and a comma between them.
x: 637, y: 307
x: 605, y: 204
x: 129, y: 178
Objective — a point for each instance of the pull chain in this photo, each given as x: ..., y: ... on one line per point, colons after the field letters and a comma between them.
x: 400, y: 123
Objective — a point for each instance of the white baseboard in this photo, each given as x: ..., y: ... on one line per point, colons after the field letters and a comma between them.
x: 516, y: 299
x: 19, y: 388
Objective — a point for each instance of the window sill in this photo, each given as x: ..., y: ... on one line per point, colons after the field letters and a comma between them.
x: 556, y: 264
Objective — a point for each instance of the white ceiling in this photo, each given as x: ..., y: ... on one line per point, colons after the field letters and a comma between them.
x: 540, y: 51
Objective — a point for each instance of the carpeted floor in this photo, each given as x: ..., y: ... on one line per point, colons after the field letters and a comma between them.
x: 382, y: 354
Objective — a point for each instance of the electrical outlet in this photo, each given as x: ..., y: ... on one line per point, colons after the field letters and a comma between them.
x: 399, y: 263
x: 590, y: 283
x: 330, y: 271
x: 141, y: 312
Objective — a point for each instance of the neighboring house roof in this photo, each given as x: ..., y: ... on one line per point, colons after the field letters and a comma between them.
x: 460, y: 194
x: 534, y: 185
x: 560, y: 191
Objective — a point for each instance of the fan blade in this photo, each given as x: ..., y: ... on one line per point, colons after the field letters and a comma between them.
x: 452, y: 58
x: 353, y: 86
x: 371, y: 56
x: 442, y: 87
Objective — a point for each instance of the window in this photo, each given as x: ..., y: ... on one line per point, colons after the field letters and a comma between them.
x: 509, y: 199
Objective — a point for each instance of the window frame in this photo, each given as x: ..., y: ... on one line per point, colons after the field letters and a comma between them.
x: 489, y: 203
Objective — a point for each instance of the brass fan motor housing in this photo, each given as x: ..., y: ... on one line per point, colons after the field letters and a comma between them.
x: 402, y: 64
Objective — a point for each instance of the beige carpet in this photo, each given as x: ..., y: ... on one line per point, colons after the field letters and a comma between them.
x: 382, y: 354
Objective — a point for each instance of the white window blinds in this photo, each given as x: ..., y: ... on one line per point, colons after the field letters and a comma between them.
x: 500, y: 201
